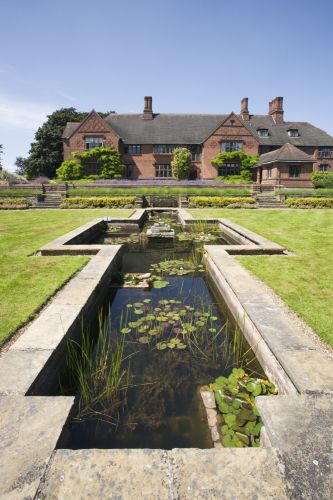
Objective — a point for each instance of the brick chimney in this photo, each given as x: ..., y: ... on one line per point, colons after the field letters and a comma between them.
x: 275, y: 109
x: 245, y: 109
x: 148, y: 108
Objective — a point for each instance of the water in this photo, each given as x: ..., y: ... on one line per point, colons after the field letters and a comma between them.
x: 162, y: 406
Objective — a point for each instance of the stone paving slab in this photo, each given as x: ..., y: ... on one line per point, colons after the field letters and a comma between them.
x: 159, y: 474
x: 227, y: 474
x: 301, y: 429
x: 18, y: 369
x: 101, y: 474
x: 29, y: 430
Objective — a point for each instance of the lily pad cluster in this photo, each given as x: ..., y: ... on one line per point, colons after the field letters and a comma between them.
x: 235, y: 398
x: 169, y: 325
x: 199, y: 237
x: 175, y: 267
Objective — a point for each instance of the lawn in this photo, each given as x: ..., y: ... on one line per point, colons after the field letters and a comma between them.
x: 27, y: 281
x: 304, y: 281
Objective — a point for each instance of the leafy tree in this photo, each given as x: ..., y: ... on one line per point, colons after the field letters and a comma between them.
x: 106, y: 159
x: 46, y: 153
x: 322, y: 179
x: 70, y: 170
x: 20, y: 164
x: 246, y: 162
x: 181, y: 163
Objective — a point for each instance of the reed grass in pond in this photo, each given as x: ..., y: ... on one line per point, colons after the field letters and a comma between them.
x: 170, y: 343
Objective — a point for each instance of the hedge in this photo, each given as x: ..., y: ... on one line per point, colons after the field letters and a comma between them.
x: 115, y: 202
x: 219, y: 201
x: 19, y: 192
x: 13, y: 203
x: 309, y: 202
x: 143, y: 190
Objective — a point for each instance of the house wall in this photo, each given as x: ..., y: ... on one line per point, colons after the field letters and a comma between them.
x: 227, y: 132
x: 280, y: 175
x: 94, y: 126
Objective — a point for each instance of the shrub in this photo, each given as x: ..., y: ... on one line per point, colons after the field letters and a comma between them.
x: 219, y: 201
x: 13, y: 203
x: 100, y: 202
x: 181, y: 163
x: 309, y: 202
x: 69, y: 170
x: 322, y: 179
x: 107, y: 159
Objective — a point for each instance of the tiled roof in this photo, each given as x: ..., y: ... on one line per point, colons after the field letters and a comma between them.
x: 287, y: 153
x: 195, y: 128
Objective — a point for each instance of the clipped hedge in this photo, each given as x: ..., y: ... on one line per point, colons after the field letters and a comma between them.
x: 99, y: 202
x: 13, y: 203
x: 219, y: 201
x: 309, y: 202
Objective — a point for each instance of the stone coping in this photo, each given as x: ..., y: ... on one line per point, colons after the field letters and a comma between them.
x: 260, y: 317
x: 21, y: 364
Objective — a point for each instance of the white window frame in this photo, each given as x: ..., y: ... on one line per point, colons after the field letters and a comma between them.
x: 163, y: 171
x: 92, y: 142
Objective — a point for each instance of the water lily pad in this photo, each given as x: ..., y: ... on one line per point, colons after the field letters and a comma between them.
x: 129, y: 305
x: 138, y: 311
x: 144, y: 340
x: 161, y: 346
x: 181, y: 346
x: 171, y: 345
x: 146, y: 301
x: 125, y: 330
x: 138, y: 304
x: 160, y: 284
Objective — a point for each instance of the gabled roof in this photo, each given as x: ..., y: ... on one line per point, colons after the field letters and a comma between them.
x: 287, y: 154
x: 195, y: 128
x: 164, y: 128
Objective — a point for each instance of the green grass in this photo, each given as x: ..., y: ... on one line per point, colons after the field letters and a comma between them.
x: 27, y: 281
x: 146, y: 191
x: 306, y: 192
x: 20, y: 192
x: 304, y: 281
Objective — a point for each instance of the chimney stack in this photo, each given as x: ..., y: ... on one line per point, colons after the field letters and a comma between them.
x: 275, y: 109
x: 245, y: 109
x: 148, y: 108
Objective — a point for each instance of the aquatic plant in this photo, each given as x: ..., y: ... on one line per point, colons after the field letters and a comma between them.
x: 101, y: 371
x: 176, y: 267
x: 235, y: 398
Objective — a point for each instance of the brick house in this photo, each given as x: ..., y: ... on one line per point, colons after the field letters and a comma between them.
x: 146, y: 141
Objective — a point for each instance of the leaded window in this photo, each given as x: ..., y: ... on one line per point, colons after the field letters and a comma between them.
x: 230, y: 146
x: 163, y: 149
x: 229, y: 169
x: 133, y: 149
x: 324, y: 152
x: 324, y: 167
x: 294, y: 171
x: 163, y: 170
x: 195, y: 150
x: 293, y: 132
x: 93, y: 142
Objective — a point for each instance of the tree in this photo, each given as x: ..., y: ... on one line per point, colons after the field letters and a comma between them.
x: 70, y: 170
x: 181, y: 163
x: 246, y: 162
x: 106, y: 159
x: 20, y: 164
x: 46, y: 153
x: 1, y: 152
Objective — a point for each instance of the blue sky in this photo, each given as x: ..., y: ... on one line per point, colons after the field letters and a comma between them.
x: 198, y: 56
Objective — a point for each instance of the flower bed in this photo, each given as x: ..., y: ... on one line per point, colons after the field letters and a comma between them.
x: 309, y: 202
x: 100, y: 202
x: 221, y: 202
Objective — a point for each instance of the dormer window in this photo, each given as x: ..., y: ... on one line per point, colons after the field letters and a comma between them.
x: 293, y: 132
x: 263, y: 132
